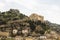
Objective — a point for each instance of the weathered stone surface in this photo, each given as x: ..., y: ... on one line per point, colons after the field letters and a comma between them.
x: 36, y: 17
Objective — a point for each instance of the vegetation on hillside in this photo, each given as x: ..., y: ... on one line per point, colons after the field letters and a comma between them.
x: 14, y: 14
x: 15, y: 20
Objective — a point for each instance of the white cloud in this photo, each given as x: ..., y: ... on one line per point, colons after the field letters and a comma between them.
x: 8, y: 1
x: 1, y: 5
x: 29, y: 4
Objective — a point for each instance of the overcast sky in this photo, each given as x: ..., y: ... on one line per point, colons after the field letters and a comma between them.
x: 50, y: 9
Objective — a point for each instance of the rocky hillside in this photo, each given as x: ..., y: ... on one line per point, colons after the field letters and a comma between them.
x: 10, y: 16
x: 13, y: 19
x: 53, y: 26
x: 14, y: 23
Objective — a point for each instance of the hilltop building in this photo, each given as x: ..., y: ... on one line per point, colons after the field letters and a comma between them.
x: 36, y: 17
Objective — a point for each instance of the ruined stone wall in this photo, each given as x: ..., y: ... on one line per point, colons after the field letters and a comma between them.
x: 36, y: 17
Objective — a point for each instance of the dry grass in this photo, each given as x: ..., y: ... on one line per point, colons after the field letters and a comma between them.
x: 4, y: 34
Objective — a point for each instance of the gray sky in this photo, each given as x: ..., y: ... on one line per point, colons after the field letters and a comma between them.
x: 50, y: 9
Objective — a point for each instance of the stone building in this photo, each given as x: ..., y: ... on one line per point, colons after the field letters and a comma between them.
x: 36, y: 17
